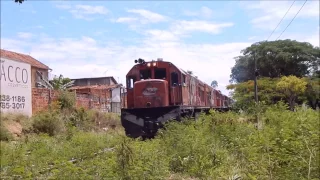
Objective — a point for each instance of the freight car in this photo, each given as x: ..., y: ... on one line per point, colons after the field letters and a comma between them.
x: 158, y: 91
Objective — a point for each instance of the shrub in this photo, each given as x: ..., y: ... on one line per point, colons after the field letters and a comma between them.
x: 104, y: 120
x: 140, y: 160
x: 66, y: 99
x: 14, y: 125
x: 49, y: 122
x: 20, y: 118
x: 217, y: 146
x: 5, y: 134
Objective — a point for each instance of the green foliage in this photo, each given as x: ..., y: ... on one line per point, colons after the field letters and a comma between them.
x: 56, y: 121
x: 61, y: 83
x: 141, y: 160
x: 291, y: 87
x: 244, y: 92
x: 216, y: 146
x: 280, y: 150
x: 214, y: 84
x: 268, y: 92
x: 312, y: 91
x: 4, y: 133
x: 66, y: 99
x: 49, y: 122
x: 276, y: 59
x: 14, y: 122
x: 19, y: 1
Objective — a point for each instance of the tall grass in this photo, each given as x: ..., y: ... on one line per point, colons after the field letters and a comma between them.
x: 218, y: 146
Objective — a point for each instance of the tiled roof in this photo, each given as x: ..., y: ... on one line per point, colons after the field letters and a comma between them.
x: 23, y: 58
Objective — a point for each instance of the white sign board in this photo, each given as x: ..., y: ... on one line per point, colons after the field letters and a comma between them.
x: 15, y: 89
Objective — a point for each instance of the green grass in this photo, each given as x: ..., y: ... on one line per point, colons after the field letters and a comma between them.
x: 218, y: 146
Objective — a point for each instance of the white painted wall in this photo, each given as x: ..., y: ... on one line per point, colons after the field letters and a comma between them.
x: 15, y: 89
x: 116, y: 95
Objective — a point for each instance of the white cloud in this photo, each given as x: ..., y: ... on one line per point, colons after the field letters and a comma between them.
x: 63, y: 6
x: 142, y: 16
x: 201, y: 26
x: 177, y: 29
x: 126, y: 20
x: 84, y: 11
x: 312, y: 37
x: 148, y: 16
x: 252, y: 38
x: 25, y: 35
x: 14, y: 45
x: 161, y: 35
x: 268, y: 14
x: 89, y: 57
x: 204, y: 12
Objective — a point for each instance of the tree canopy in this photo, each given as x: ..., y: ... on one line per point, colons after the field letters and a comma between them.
x: 19, y: 1
x: 291, y: 87
x: 275, y: 59
x: 61, y: 83
x: 214, y: 84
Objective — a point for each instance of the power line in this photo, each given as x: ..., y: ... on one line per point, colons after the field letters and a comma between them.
x: 281, y: 20
x: 292, y: 19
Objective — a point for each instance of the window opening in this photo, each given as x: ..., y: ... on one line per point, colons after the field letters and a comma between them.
x: 174, y: 78
x: 145, y: 74
x: 130, y: 82
x: 160, y: 73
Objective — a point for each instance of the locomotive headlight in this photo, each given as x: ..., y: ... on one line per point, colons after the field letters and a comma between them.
x: 149, y: 64
x: 154, y: 64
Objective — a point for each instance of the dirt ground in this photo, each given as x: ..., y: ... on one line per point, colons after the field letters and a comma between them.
x: 14, y: 128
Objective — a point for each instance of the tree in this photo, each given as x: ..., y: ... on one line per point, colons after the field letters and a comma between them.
x: 189, y: 72
x: 214, y: 84
x: 312, y: 91
x: 244, y: 92
x: 275, y: 59
x: 291, y: 87
x: 19, y: 1
x: 61, y: 83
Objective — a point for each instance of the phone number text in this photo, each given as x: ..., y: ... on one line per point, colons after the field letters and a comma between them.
x: 7, y: 98
x: 11, y: 105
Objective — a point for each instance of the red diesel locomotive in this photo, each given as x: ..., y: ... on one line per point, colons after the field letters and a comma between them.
x: 158, y: 91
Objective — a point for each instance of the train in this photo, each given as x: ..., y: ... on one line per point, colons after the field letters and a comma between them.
x: 158, y: 91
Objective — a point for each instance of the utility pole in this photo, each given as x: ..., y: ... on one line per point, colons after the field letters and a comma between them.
x: 255, y: 77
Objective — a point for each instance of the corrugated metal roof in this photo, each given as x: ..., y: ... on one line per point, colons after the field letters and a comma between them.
x: 90, y: 78
x: 95, y: 87
x: 23, y: 58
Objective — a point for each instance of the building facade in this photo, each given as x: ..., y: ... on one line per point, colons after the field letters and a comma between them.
x: 95, y: 81
x: 35, y: 65
x: 105, y: 98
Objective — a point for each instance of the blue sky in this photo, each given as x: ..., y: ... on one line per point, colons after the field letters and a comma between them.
x: 98, y: 38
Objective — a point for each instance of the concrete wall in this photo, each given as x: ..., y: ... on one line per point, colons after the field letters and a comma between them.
x: 115, y: 100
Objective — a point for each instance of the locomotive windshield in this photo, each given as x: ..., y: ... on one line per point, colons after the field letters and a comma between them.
x: 160, y: 73
x: 145, y: 74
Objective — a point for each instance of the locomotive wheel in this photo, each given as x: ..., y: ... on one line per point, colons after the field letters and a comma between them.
x: 132, y: 134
